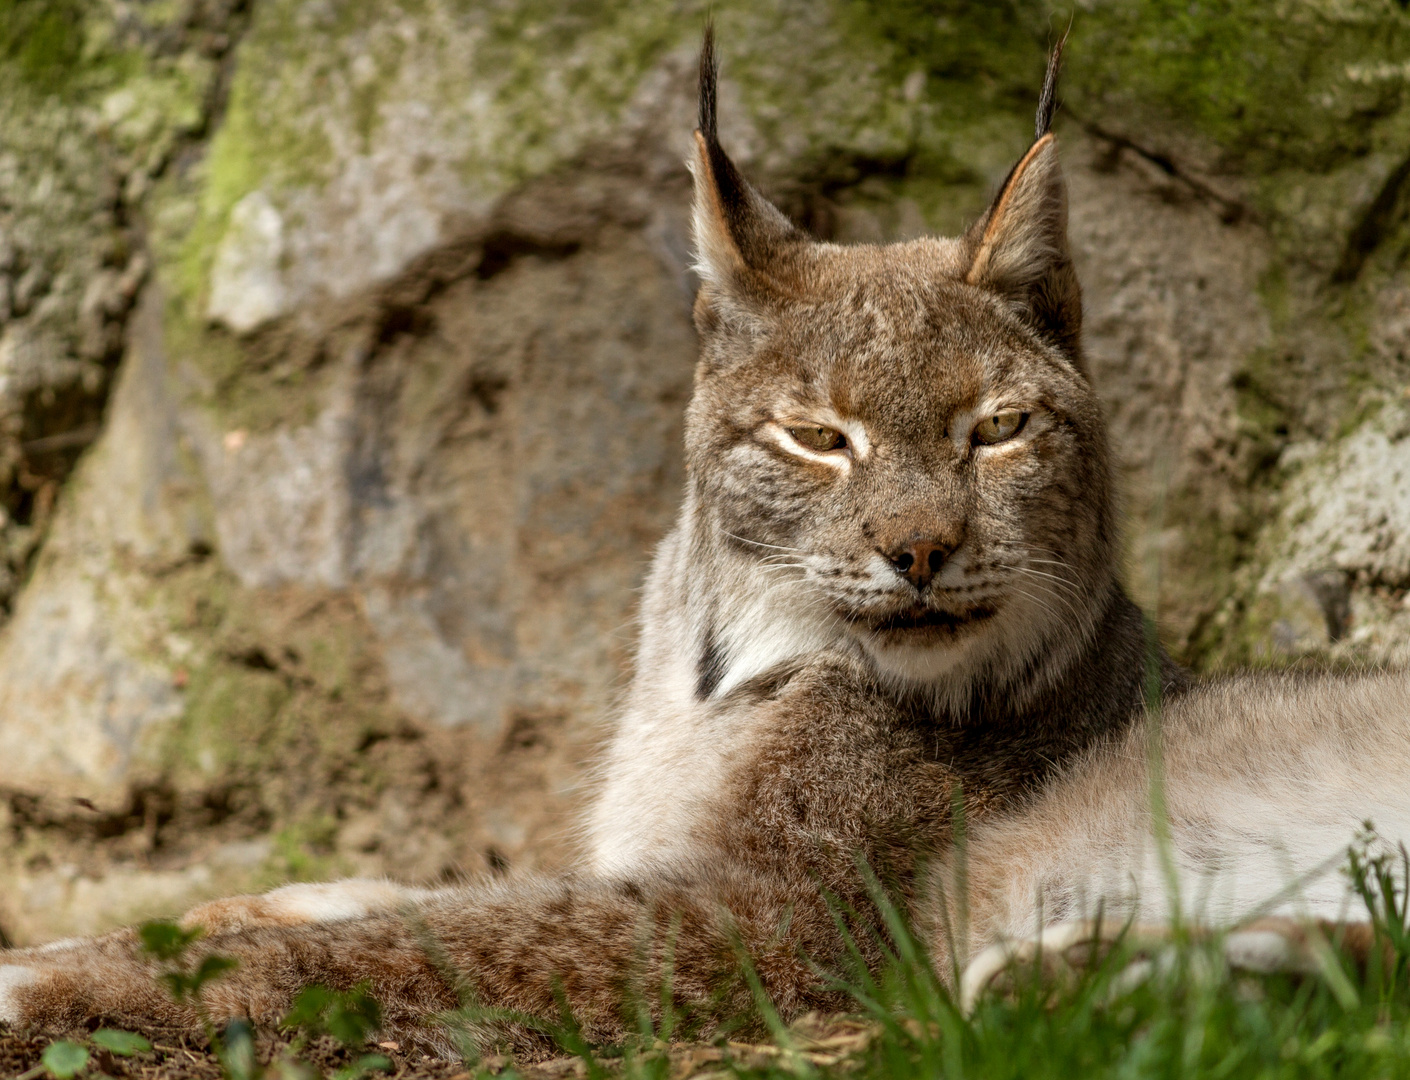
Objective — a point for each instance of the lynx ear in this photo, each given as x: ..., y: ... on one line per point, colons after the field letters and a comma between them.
x: 1019, y: 247
x: 742, y: 240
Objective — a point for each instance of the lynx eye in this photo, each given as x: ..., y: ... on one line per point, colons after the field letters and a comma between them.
x: 1000, y: 426
x: 819, y: 438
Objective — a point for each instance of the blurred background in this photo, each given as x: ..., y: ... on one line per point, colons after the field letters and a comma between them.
x: 344, y: 346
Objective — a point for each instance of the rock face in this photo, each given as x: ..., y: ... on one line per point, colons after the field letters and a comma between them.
x: 377, y: 320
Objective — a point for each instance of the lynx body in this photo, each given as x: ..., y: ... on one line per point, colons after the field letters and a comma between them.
x: 892, y: 587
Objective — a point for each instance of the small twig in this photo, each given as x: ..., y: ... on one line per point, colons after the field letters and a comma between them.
x: 64, y: 440
x: 1230, y: 209
x: 1375, y: 221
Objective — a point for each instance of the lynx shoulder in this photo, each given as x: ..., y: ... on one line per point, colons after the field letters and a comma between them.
x: 892, y: 588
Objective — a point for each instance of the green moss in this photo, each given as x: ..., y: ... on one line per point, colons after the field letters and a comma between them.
x: 303, y: 851
x: 283, y: 692
x: 1281, y: 95
x: 77, y: 52
x: 1321, y: 379
x: 1299, y: 84
x: 241, y: 389
x: 231, y: 714
x: 994, y: 49
x: 248, y: 152
x: 558, y: 75
x: 43, y: 41
x: 524, y: 87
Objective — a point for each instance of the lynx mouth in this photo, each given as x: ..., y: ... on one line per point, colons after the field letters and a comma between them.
x: 928, y: 621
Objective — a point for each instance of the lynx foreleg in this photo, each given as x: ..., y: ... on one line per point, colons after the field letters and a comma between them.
x: 595, y: 945
x: 113, y: 977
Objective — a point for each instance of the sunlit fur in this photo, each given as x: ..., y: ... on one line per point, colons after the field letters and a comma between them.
x: 1265, y: 781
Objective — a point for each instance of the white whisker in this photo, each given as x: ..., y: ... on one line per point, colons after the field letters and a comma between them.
x: 1071, y: 607
x: 1037, y: 600
x: 758, y: 543
x: 1070, y: 586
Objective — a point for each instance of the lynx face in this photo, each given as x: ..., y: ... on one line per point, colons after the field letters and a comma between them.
x: 910, y: 451
x: 902, y: 438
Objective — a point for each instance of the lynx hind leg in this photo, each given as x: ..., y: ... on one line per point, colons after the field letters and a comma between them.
x: 296, y: 905
x: 1300, y: 946
x: 1269, y: 946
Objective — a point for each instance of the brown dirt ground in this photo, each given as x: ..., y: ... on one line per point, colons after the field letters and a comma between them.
x: 826, y: 1041
x: 178, y: 1054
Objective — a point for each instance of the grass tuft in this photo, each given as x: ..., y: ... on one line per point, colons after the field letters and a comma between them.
x: 1131, y: 1012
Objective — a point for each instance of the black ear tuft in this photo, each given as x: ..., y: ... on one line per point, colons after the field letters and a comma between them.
x: 709, y: 79
x: 742, y: 241
x: 753, y: 224
x: 1019, y: 248
x: 1047, y: 100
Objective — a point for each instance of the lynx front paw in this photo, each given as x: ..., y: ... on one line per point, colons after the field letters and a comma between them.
x: 15, y: 981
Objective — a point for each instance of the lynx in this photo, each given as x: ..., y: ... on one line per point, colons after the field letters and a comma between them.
x: 892, y: 591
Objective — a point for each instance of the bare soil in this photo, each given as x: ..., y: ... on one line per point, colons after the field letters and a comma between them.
x: 178, y: 1054
x: 826, y: 1041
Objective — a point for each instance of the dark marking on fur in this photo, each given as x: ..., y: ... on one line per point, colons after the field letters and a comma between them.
x: 710, y: 669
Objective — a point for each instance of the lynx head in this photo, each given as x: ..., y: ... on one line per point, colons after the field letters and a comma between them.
x: 902, y: 438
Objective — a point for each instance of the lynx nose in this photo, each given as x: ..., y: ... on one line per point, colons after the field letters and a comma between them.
x: 919, y: 561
